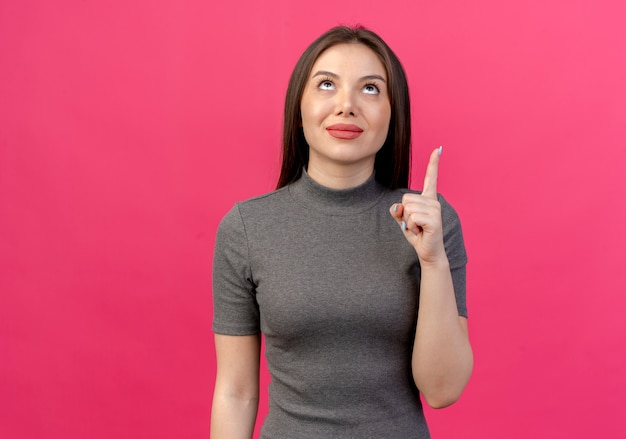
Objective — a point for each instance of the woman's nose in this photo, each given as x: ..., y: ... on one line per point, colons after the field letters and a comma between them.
x: 346, y: 104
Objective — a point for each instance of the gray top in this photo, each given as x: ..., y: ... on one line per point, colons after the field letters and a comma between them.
x: 332, y: 283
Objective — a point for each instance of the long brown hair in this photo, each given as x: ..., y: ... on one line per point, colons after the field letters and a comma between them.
x: 392, y: 164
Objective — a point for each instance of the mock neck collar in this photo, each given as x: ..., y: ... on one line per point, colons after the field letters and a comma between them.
x: 331, y: 201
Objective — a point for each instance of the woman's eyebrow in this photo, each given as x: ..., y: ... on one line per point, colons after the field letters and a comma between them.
x: 325, y: 73
x: 370, y: 77
x: 336, y: 76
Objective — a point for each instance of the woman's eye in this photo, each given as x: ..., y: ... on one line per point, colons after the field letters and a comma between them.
x: 326, y: 85
x: 371, y: 89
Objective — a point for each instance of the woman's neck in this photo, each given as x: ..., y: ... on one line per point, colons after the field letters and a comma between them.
x: 340, y: 176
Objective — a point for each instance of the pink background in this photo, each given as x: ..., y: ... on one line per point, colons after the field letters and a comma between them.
x: 128, y: 129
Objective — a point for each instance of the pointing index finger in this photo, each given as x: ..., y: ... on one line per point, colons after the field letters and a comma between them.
x: 430, y: 179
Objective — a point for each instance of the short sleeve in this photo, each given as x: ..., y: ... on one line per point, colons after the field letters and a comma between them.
x: 455, y: 250
x: 235, y: 309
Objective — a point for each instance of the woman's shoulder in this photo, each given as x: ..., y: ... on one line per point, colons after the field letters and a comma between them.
x: 262, y: 203
x: 256, y: 207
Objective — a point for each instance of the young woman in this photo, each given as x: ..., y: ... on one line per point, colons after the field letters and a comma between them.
x: 356, y: 283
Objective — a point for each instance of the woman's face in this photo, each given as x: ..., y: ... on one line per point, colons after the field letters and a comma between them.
x: 345, y: 108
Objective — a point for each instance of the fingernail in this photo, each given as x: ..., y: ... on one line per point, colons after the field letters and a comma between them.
x: 395, y: 208
x: 440, y: 149
x: 403, y: 226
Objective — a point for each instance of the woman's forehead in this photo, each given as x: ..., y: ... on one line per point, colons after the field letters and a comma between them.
x: 349, y: 58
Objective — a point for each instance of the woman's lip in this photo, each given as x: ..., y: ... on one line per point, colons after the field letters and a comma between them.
x: 344, y: 131
x: 345, y: 127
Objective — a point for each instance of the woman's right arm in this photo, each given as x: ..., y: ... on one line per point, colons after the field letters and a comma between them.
x: 236, y: 397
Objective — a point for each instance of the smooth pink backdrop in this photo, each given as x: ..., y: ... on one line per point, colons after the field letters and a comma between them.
x: 128, y: 129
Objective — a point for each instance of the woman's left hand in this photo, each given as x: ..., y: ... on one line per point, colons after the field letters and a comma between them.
x: 419, y: 216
